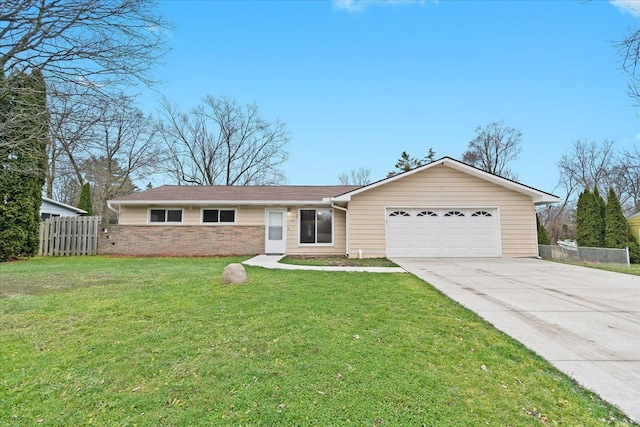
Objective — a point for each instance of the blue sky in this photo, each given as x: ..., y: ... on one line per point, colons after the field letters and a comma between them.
x: 359, y: 82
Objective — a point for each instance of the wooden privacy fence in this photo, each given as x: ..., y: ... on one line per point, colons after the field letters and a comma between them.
x: 69, y: 235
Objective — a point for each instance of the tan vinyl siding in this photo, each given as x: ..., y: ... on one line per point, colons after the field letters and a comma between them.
x: 441, y: 186
x: 191, y: 215
x: 293, y: 238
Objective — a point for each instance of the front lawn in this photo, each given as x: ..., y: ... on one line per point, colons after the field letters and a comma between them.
x: 161, y: 342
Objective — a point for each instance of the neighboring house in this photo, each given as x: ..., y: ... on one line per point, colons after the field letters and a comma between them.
x: 442, y: 209
x: 51, y: 208
x: 634, y: 225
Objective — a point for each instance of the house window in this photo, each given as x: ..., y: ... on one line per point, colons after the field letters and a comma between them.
x: 165, y: 215
x: 45, y: 216
x: 316, y: 226
x: 218, y: 216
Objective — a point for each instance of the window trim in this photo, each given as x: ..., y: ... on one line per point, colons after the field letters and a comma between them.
x: 166, y: 216
x: 218, y: 223
x: 333, y: 221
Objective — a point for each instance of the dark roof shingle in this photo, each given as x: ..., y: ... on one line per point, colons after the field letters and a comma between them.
x: 275, y: 193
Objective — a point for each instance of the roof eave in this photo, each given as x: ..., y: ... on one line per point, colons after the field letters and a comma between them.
x: 64, y: 205
x: 218, y: 202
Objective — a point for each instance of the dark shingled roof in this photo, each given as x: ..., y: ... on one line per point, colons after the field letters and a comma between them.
x: 276, y: 193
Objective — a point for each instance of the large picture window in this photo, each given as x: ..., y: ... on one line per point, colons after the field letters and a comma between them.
x: 218, y: 216
x: 316, y: 226
x: 165, y: 215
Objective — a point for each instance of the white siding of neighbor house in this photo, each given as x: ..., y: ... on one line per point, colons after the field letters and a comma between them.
x: 441, y: 186
x: 54, y: 209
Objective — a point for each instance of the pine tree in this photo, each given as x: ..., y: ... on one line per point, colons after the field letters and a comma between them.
x: 590, y: 222
x: 85, y: 202
x: 24, y: 124
x: 599, y: 213
x: 543, y: 236
x: 616, y: 225
x: 582, y: 218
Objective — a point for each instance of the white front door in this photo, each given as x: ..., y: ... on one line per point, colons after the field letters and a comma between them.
x: 275, y: 231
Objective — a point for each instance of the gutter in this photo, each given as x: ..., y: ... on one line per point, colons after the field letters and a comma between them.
x: 112, y: 208
x: 221, y: 202
x: 346, y: 211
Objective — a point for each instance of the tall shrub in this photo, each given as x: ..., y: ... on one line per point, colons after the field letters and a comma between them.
x: 24, y: 125
x: 85, y: 202
x: 616, y: 225
x: 543, y: 236
x: 600, y: 222
x: 589, y: 220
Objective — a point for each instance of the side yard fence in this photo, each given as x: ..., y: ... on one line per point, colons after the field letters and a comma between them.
x: 66, y: 236
x: 584, y: 254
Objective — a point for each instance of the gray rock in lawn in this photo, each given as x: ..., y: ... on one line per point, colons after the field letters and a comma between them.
x: 234, y: 273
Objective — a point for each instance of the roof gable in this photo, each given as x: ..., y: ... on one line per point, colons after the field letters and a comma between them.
x: 50, y: 202
x: 538, y: 196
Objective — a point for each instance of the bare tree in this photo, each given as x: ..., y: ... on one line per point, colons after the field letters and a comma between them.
x: 629, y: 51
x: 126, y: 141
x: 114, y: 136
x: 629, y: 165
x: 73, y: 117
x: 86, y: 42
x: 223, y: 143
x: 360, y: 176
x: 494, y: 147
x: 87, y: 50
x: 588, y: 165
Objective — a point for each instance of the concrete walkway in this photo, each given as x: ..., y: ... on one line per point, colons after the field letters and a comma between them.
x: 272, y: 261
x: 584, y: 321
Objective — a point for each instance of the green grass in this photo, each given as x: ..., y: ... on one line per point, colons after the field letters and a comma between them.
x: 338, y: 261
x: 634, y: 269
x: 162, y: 342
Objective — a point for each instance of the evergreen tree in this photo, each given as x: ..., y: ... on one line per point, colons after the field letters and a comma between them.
x: 24, y: 125
x: 543, y: 236
x: 616, y: 228
x: 85, y: 202
x: 600, y: 222
x: 582, y: 232
x: 590, y: 222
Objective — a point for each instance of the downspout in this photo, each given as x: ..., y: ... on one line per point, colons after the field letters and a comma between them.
x: 346, y: 212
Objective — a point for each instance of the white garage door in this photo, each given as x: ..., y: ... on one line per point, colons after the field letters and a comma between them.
x: 441, y: 232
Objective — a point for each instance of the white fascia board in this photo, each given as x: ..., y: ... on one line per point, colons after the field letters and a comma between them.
x: 218, y: 202
x: 538, y: 197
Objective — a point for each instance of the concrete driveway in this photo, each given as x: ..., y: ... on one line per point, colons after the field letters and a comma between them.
x: 584, y: 321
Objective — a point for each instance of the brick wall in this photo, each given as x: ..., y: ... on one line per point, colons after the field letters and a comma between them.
x: 181, y: 240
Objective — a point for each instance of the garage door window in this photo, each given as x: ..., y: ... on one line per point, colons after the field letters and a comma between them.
x: 399, y: 213
x: 454, y: 213
x: 427, y: 213
x: 481, y: 213
x: 316, y: 226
